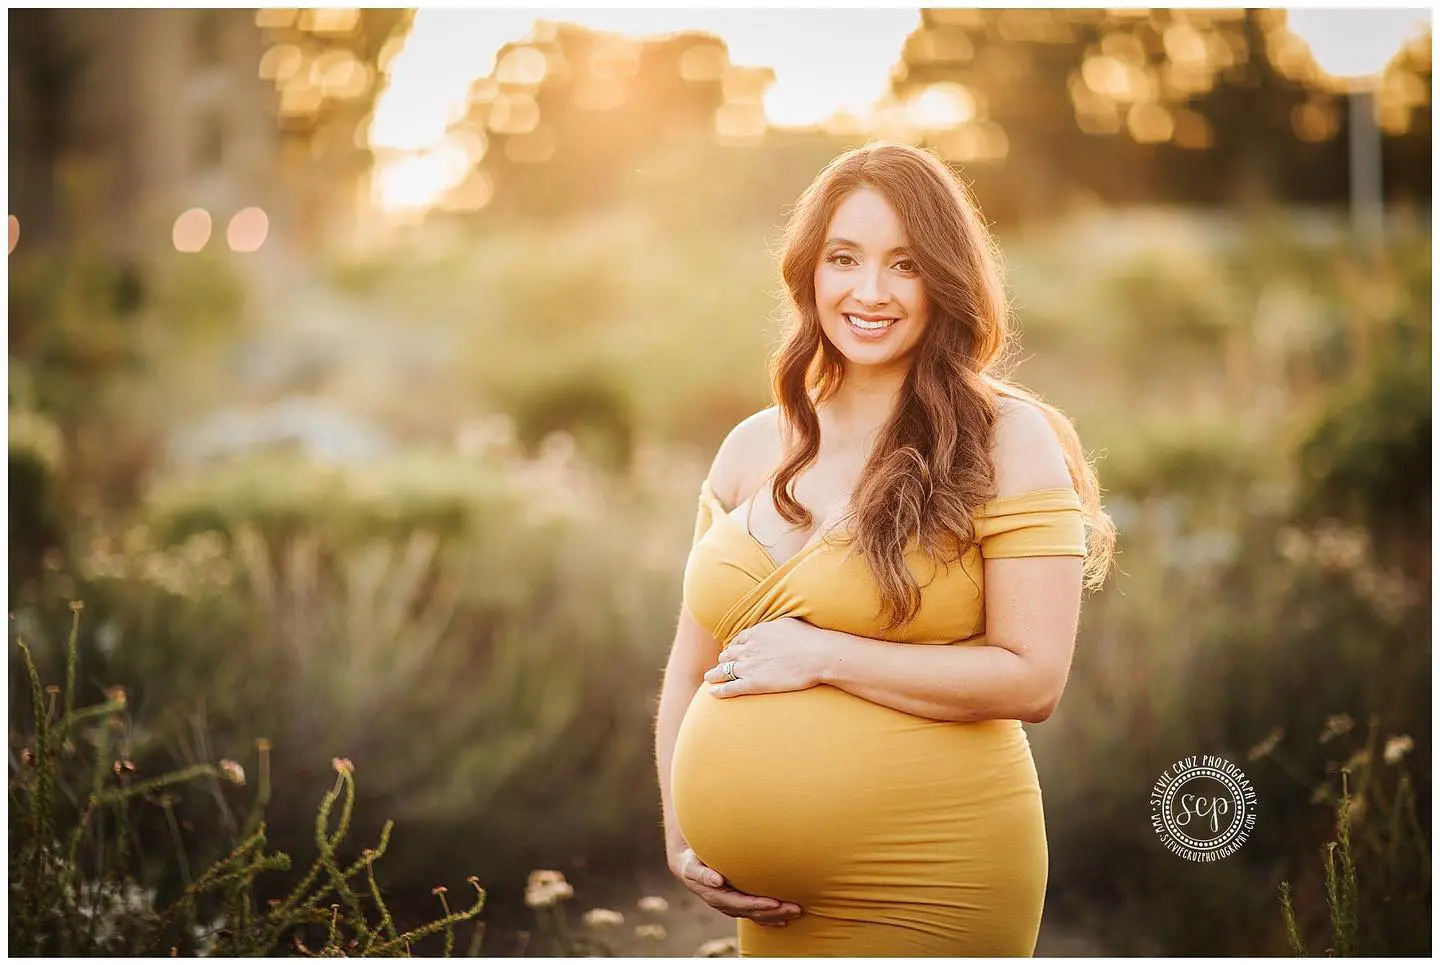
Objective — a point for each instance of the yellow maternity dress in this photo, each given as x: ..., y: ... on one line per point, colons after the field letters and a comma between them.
x: 897, y: 835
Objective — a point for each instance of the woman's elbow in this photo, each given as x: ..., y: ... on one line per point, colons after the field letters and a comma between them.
x: 1043, y: 704
x: 1040, y: 713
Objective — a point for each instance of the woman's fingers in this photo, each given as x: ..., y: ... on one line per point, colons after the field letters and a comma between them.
x: 710, y: 886
x: 694, y: 869
x: 737, y: 904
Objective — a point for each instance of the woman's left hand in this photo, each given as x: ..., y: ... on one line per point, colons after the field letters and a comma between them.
x: 773, y: 657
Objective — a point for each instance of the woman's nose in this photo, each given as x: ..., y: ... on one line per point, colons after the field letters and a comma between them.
x: 870, y: 287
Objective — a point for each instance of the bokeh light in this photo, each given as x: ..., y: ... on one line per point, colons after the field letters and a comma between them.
x: 1355, y: 44
x: 942, y: 106
x: 247, y: 230
x: 472, y: 194
x: 192, y: 230
x: 14, y: 233
x: 843, y: 65
x: 409, y: 182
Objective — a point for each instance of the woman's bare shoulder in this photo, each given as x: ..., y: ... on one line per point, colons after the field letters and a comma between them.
x: 1027, y: 453
x: 746, y: 457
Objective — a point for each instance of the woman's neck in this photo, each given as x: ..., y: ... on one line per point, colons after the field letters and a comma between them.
x: 852, y: 418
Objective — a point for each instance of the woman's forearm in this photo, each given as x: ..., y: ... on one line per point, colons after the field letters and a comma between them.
x: 959, y: 682
x: 681, y: 681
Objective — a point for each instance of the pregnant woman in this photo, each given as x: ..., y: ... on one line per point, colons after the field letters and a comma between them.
x: 885, y: 582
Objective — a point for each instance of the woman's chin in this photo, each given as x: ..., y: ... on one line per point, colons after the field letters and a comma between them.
x: 870, y: 355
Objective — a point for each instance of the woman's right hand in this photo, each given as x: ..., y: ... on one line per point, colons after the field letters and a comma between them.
x: 710, y: 885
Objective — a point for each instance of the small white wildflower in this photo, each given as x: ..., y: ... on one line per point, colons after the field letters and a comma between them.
x: 545, y: 888
x: 654, y: 932
x: 717, y: 948
x: 653, y: 904
x: 207, y: 936
x: 603, y: 918
x: 138, y: 900
x: 1397, y: 747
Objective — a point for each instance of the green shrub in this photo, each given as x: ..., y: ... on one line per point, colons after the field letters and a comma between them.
x: 66, y: 332
x: 78, y: 884
x: 475, y: 674
x: 1366, y: 456
x: 586, y: 407
x: 1377, y: 870
x: 288, y: 496
x: 37, y: 500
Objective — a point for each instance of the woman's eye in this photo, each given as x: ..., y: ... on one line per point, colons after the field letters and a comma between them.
x: 906, y: 265
x: 841, y: 259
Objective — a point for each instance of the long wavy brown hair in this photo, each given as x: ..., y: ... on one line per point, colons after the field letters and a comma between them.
x: 930, y: 471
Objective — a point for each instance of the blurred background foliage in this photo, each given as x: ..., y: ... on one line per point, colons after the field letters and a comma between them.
x: 412, y: 482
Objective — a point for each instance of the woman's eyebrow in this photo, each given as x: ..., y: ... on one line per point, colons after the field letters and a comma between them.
x: 847, y: 243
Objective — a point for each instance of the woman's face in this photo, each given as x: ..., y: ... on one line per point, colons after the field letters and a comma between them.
x: 868, y: 292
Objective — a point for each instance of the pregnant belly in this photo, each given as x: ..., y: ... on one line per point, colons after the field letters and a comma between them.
x: 818, y: 794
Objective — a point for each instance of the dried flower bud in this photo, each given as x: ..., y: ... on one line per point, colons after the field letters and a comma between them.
x: 342, y: 765
x: 76, y: 606
x: 52, y: 690
x: 653, y: 904
x: 115, y: 695
x: 262, y: 743
x: 439, y: 890
x: 232, y: 772
x: 1267, y: 746
x: 656, y: 932
x: 1336, y: 725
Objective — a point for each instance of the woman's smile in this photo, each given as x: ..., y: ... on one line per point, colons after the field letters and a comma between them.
x: 870, y: 326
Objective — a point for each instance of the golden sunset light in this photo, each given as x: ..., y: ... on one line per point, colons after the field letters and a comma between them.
x: 825, y: 62
x: 552, y: 478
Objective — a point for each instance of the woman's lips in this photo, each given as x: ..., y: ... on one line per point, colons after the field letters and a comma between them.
x: 871, y: 328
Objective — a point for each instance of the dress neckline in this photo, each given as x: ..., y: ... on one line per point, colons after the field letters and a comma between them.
x: 991, y: 508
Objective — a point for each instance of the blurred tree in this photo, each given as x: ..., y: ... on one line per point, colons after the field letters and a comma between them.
x: 1186, y: 105
x: 44, y: 78
x: 328, y: 68
x: 567, y: 112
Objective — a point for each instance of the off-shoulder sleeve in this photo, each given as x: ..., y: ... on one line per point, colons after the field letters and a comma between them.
x: 1045, y: 522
